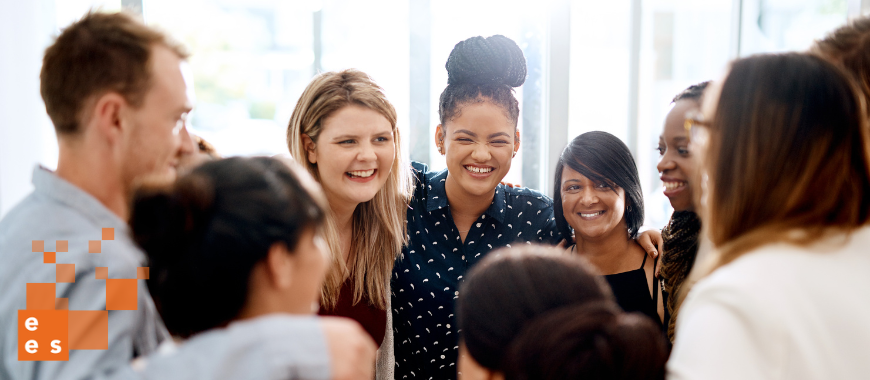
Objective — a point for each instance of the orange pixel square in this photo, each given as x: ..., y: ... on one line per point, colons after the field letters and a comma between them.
x: 43, y: 335
x: 40, y: 296
x: 48, y: 257
x: 102, y: 273
x: 88, y: 330
x: 38, y: 246
x: 93, y: 246
x: 61, y: 246
x: 121, y: 294
x: 142, y: 273
x: 61, y: 304
x: 108, y: 234
x: 65, y: 273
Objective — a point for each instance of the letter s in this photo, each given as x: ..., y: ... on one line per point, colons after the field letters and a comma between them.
x: 31, y: 346
x: 55, y: 346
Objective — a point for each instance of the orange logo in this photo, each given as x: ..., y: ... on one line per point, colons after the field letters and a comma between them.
x: 48, y: 330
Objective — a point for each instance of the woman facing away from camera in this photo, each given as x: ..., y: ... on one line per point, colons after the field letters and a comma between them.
x: 233, y: 240
x: 533, y: 312
x: 461, y: 213
x: 598, y: 206
x: 786, y: 155
x: 344, y: 132
x: 679, y: 175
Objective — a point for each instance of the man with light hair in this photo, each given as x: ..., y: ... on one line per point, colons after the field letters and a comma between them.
x: 118, y: 95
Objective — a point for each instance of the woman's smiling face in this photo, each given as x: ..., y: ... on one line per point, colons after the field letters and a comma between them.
x: 593, y: 210
x: 354, y: 154
x: 677, y: 164
x: 479, y: 143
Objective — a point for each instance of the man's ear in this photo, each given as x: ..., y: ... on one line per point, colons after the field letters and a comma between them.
x: 310, y: 148
x: 107, y: 115
x: 279, y: 266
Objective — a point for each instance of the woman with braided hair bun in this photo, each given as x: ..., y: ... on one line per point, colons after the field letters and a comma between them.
x: 555, y: 319
x: 459, y: 214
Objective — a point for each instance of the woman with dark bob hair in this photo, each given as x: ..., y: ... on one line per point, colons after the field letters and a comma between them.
x: 534, y: 312
x: 785, y: 294
x: 598, y: 206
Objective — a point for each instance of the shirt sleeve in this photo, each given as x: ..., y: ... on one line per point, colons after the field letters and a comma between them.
x: 722, y: 333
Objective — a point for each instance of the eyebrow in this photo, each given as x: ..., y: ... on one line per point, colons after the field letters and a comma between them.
x: 346, y: 137
x: 472, y: 134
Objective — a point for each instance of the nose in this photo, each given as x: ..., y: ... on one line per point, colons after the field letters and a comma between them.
x: 665, y: 164
x: 481, y: 153
x: 588, y: 197
x: 188, y: 146
x: 366, y: 152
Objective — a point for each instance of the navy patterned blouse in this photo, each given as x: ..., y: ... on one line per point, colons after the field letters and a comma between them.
x: 427, y: 275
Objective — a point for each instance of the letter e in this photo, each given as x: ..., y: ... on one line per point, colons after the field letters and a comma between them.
x: 55, y: 346
x: 31, y: 324
x: 31, y: 346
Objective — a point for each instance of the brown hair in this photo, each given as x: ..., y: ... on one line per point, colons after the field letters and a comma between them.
x: 101, y: 52
x: 788, y: 157
x: 379, y: 224
x: 849, y: 47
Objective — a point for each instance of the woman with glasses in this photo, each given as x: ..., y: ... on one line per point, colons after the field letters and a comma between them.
x: 784, y: 296
x: 598, y: 206
x: 679, y: 174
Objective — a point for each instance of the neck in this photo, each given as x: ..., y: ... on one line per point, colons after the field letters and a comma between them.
x: 343, y: 214
x: 607, y: 253
x: 464, y: 204
x: 93, y: 171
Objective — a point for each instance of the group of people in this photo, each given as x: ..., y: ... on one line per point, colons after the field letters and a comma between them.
x: 420, y: 274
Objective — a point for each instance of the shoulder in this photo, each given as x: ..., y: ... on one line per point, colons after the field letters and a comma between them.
x: 527, y: 197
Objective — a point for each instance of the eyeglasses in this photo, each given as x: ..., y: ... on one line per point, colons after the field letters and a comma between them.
x: 697, y: 129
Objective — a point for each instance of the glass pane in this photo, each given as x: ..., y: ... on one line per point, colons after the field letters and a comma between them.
x: 787, y: 25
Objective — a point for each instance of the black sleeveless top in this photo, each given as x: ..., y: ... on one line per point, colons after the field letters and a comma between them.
x: 632, y: 292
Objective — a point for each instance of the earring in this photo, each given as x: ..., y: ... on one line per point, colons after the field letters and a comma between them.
x: 441, y: 147
x: 629, y: 208
x: 514, y: 155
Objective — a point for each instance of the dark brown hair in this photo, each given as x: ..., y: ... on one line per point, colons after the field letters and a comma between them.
x: 535, y: 312
x: 99, y: 53
x: 788, y: 152
x: 204, y: 234
x: 849, y: 47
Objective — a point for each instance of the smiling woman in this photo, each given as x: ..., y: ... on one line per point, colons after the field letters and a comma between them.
x: 344, y: 131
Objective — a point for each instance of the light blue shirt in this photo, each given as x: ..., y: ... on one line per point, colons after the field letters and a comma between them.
x: 271, y: 347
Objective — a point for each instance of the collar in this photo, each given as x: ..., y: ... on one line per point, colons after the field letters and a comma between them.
x: 49, y: 185
x: 437, y: 197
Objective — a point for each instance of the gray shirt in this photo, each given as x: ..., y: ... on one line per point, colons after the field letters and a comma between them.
x: 278, y: 346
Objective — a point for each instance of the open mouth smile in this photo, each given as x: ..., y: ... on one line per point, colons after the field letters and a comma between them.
x: 361, y: 174
x: 590, y: 216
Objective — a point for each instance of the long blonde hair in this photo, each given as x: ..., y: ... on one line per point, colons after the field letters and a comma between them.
x: 788, y: 155
x: 378, y: 225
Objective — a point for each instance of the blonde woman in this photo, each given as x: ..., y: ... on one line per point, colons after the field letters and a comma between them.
x: 344, y: 132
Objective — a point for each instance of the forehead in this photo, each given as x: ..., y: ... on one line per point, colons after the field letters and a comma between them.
x: 569, y: 174
x: 675, y: 120
x: 169, y: 84
x: 355, y: 119
x: 484, y: 117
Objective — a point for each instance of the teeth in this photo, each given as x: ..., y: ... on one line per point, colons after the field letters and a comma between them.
x: 475, y: 169
x: 362, y: 173
x: 591, y: 215
x: 674, y: 185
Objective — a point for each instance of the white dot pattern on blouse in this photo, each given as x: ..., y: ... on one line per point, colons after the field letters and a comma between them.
x: 428, y: 273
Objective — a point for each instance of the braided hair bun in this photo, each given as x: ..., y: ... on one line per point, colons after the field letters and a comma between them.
x: 491, y: 60
x: 483, y: 69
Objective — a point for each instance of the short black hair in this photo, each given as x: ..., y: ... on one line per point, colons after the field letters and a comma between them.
x: 483, y: 69
x: 603, y: 158
x: 204, y: 234
x: 693, y: 92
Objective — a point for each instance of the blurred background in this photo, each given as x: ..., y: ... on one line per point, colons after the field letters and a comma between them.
x: 593, y: 65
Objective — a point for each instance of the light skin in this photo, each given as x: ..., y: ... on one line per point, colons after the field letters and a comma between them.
x: 470, y: 369
x: 478, y: 143
x: 596, y: 212
x: 677, y: 164
x: 119, y: 144
x: 354, y: 154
